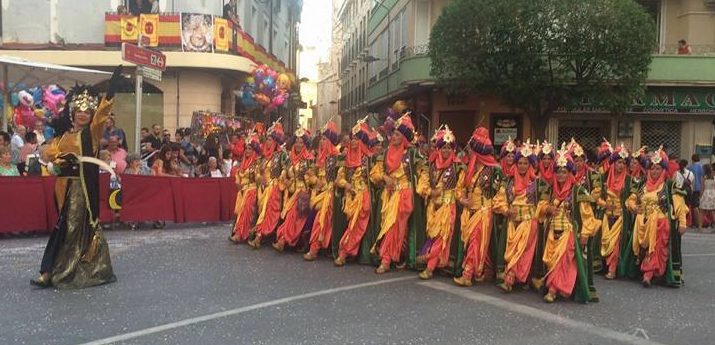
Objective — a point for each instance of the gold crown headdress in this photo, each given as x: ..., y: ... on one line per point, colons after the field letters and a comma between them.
x: 84, y: 102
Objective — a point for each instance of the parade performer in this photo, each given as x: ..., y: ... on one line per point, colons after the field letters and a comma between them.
x: 397, y: 172
x: 269, y: 192
x: 247, y: 175
x: 353, y: 179
x: 546, y: 161
x: 77, y: 254
x: 636, y: 169
x: 590, y: 180
x: 321, y: 200
x: 296, y: 180
x: 440, y: 185
x: 507, y: 157
x: 568, y: 218
x: 481, y: 183
x: 518, y: 201
x: 617, y: 188
x: 656, y: 235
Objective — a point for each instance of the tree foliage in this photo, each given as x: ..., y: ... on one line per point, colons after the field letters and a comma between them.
x: 539, y: 55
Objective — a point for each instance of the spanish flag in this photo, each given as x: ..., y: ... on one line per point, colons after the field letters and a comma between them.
x: 149, y: 24
x: 222, y: 34
x: 129, y: 29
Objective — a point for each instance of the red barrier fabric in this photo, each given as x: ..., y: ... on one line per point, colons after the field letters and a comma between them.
x: 147, y: 198
x: 27, y: 204
x: 23, y: 205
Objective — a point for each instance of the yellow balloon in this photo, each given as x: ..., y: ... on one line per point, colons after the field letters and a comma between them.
x: 283, y: 82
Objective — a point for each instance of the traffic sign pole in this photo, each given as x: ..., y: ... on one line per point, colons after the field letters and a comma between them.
x: 138, y: 112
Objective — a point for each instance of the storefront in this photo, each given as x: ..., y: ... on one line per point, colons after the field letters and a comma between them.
x: 679, y: 119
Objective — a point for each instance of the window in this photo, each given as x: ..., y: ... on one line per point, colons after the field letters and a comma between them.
x: 422, y: 22
x: 654, y: 8
x: 666, y: 133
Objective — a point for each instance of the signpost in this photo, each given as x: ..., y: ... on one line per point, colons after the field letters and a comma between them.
x: 150, y: 63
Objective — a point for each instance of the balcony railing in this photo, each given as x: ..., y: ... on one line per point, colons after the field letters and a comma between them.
x: 696, y: 49
x: 168, y: 37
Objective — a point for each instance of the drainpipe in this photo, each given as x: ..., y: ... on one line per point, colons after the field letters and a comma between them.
x: 178, y: 99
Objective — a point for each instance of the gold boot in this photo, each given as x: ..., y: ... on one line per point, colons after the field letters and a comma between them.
x: 426, y: 275
x: 279, y: 246
x: 549, y: 298
x: 505, y: 287
x: 309, y: 256
x: 382, y: 269
x: 461, y: 281
x: 339, y: 262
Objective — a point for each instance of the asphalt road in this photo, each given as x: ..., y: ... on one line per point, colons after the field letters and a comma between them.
x: 191, y: 286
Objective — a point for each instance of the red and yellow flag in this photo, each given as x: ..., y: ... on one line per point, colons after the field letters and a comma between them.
x: 149, y: 24
x: 129, y: 29
x: 222, y: 34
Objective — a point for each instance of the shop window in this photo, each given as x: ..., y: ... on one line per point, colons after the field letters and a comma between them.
x: 589, y: 134
x: 657, y: 133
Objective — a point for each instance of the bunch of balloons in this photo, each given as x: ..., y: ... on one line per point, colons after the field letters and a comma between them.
x: 265, y: 88
x: 39, y: 102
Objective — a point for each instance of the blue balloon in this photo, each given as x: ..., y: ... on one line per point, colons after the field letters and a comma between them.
x: 269, y: 84
x: 14, y: 99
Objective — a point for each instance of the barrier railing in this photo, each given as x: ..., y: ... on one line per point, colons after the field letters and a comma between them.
x: 27, y: 204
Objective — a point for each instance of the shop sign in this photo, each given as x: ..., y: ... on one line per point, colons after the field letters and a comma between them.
x: 504, y: 129
x: 663, y: 100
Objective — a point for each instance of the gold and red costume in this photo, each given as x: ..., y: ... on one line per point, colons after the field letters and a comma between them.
x: 321, y: 200
x: 269, y: 192
x: 518, y: 200
x: 481, y: 183
x: 353, y: 178
x: 654, y: 229
x: 296, y: 181
x: 568, y: 218
x: 247, y: 197
x: 440, y: 185
x: 397, y: 203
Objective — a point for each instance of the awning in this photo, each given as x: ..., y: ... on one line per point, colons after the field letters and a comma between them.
x: 16, y: 71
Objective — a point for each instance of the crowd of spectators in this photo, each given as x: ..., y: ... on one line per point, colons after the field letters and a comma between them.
x: 161, y: 153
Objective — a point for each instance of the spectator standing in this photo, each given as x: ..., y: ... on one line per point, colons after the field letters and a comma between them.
x: 151, y: 142
x: 707, y: 199
x: 40, y: 131
x: 111, y: 129
x: 117, y: 153
x: 212, y: 168
x: 7, y: 168
x: 228, y: 163
x: 154, y: 6
x: 17, y: 142
x: 684, y: 48
x: 698, y: 173
x: 38, y: 167
x: 29, y: 148
x: 135, y: 166
x: 4, y: 139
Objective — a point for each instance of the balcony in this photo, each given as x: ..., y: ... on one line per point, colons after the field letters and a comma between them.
x: 413, y: 68
x: 168, y: 38
x: 682, y: 70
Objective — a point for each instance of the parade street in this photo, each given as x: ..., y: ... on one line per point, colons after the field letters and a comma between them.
x: 190, y: 285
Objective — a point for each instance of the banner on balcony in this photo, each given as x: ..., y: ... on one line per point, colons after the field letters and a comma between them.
x: 222, y: 34
x: 129, y: 29
x: 149, y: 24
x: 197, y: 32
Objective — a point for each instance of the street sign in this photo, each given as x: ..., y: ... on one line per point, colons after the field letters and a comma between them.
x: 151, y: 73
x: 143, y: 57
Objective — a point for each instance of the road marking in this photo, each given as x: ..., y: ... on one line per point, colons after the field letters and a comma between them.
x: 701, y: 254
x: 539, y: 314
x: 209, y: 317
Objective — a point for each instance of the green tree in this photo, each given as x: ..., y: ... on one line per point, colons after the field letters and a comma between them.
x: 540, y: 55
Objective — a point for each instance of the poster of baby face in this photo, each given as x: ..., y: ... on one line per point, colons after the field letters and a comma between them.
x: 197, y: 32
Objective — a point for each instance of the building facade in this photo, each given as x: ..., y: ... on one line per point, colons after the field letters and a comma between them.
x: 678, y: 110
x: 353, y: 17
x: 90, y: 36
